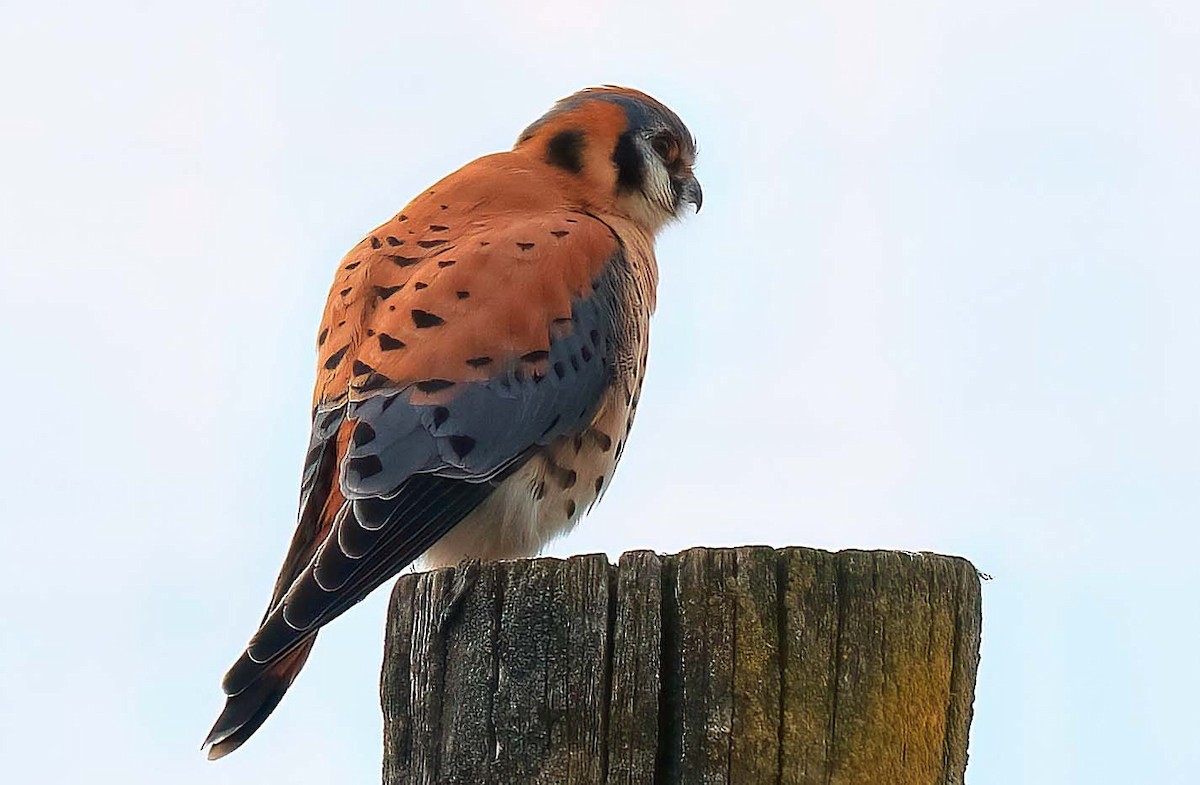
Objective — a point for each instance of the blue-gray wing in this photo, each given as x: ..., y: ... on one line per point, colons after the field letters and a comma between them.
x: 419, y: 459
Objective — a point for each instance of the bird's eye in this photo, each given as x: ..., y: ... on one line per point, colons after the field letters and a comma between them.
x: 665, y: 147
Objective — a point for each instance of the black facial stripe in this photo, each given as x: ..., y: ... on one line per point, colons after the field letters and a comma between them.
x: 628, y: 159
x: 565, y: 150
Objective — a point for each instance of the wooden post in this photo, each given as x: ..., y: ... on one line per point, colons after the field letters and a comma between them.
x: 745, y: 665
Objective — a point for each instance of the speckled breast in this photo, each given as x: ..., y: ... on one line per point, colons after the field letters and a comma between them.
x: 560, y: 481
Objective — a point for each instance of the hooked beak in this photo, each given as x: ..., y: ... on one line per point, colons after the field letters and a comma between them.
x: 691, y: 192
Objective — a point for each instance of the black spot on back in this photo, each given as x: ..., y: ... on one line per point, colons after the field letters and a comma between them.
x: 426, y: 319
x: 365, y: 466
x: 565, y: 150
x: 385, y: 292
x: 463, y: 295
x: 533, y: 357
x: 375, y: 242
x: 462, y: 445
x: 440, y: 415
x: 434, y: 385
x: 352, y: 265
x: 321, y: 338
x: 560, y: 233
x: 525, y: 246
x: 394, y: 241
x: 363, y: 434
x: 389, y: 344
x: 479, y: 362
x: 430, y: 243
x: 336, y: 358
x: 360, y: 368
x: 373, y: 381
x: 447, y: 263
x: 437, y: 228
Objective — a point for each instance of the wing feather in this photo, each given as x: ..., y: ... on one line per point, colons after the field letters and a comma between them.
x: 454, y: 342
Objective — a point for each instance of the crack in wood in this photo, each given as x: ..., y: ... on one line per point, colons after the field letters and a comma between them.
x: 670, y: 728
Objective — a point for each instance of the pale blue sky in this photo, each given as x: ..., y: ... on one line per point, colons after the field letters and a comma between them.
x: 943, y: 295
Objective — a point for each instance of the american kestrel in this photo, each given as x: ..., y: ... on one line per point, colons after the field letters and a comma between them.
x: 479, y: 364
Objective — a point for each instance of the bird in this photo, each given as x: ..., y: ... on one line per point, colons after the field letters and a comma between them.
x: 479, y: 364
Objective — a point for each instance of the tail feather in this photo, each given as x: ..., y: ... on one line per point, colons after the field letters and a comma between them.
x: 390, y: 535
x: 245, y: 712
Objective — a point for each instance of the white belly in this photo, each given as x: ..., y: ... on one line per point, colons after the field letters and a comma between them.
x: 546, y: 497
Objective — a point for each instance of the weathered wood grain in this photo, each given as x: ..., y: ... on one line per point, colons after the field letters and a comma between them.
x: 809, y: 650
x: 552, y: 654
x: 636, y: 678
x: 746, y: 665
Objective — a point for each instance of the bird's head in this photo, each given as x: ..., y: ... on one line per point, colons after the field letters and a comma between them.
x: 622, y: 151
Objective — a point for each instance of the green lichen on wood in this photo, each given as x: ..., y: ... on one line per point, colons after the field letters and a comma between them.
x: 738, y: 665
